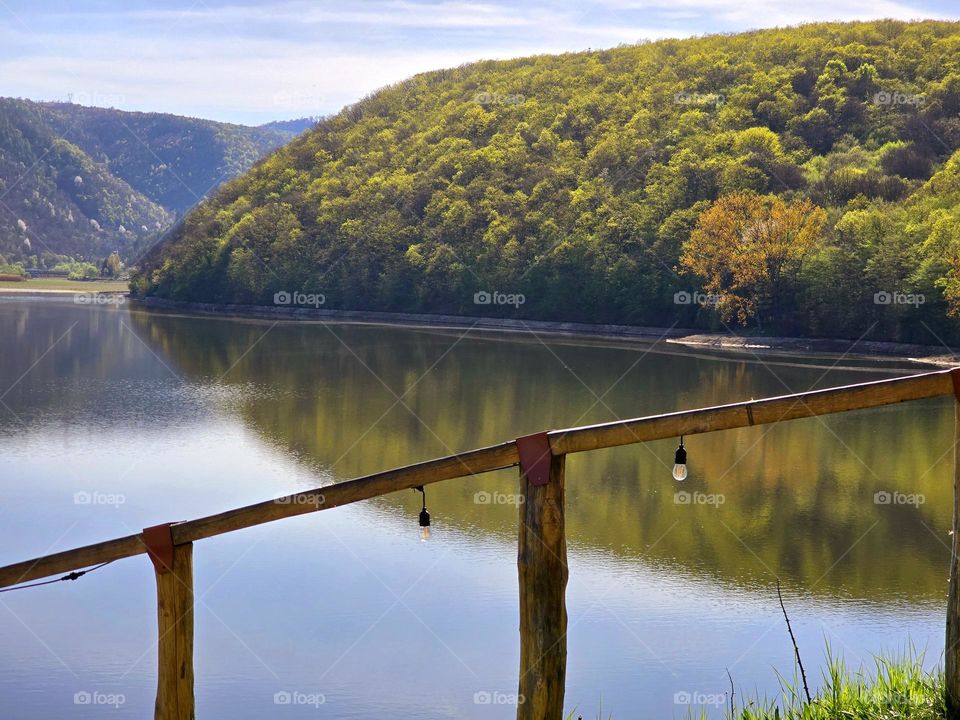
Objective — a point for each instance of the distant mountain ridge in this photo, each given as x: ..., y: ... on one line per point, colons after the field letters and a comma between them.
x: 84, y: 181
x: 294, y: 127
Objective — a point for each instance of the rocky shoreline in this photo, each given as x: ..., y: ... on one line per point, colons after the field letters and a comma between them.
x: 928, y: 354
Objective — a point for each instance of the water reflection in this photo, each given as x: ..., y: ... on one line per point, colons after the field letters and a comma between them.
x: 188, y: 416
x: 798, y: 500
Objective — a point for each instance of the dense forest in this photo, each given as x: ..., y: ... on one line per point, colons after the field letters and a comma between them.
x: 83, y: 182
x: 799, y: 181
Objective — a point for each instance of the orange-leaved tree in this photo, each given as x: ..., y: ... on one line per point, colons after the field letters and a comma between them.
x: 749, y: 250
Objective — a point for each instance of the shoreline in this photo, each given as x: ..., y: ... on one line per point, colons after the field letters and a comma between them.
x: 721, y: 342
x: 58, y: 291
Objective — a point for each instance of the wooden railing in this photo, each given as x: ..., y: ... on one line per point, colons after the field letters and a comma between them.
x: 541, y: 558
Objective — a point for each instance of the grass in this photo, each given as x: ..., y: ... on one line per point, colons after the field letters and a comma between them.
x: 62, y: 284
x: 896, y: 688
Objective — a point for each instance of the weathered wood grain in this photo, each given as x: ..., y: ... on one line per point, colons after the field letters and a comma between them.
x: 952, y: 647
x: 542, y: 566
x: 64, y: 562
x: 175, y: 699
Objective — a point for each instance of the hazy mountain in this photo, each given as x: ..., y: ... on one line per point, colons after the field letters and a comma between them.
x: 84, y: 181
x: 292, y: 127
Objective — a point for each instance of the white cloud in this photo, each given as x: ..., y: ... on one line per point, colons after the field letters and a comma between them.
x: 225, y: 75
x: 255, y: 62
x: 770, y: 13
x: 384, y: 13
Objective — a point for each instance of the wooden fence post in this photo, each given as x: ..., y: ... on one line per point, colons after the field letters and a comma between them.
x: 175, y: 627
x: 542, y: 565
x: 952, y: 647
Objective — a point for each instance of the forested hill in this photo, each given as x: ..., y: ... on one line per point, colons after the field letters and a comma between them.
x: 799, y: 180
x: 291, y: 127
x: 173, y: 160
x: 85, y: 181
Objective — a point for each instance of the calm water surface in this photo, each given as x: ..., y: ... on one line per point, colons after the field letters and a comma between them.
x: 113, y: 419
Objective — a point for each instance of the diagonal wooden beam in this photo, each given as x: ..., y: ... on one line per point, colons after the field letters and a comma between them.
x: 474, y: 462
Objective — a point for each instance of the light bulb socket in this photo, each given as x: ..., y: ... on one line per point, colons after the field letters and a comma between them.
x: 424, y: 515
x: 680, y: 458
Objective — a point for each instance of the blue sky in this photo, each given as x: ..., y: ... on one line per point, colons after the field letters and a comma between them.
x: 252, y: 62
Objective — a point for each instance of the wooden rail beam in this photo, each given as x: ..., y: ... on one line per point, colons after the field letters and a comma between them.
x: 64, y: 562
x: 753, y: 412
x: 496, y: 457
x: 474, y: 462
x: 465, y: 464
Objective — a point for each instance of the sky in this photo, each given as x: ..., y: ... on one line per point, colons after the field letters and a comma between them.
x: 253, y: 62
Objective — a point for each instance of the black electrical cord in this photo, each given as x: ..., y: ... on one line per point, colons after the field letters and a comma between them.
x: 424, y: 515
x: 75, y: 575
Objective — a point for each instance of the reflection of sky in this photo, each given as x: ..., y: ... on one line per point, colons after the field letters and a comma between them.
x: 252, y: 62
x: 346, y: 603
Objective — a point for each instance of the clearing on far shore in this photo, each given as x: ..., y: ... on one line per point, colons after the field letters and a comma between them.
x: 62, y: 285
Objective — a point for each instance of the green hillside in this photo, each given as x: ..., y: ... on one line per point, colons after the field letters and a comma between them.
x: 85, y: 181
x: 799, y: 180
x: 172, y: 160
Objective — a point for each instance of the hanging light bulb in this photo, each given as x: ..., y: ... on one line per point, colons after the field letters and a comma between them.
x: 680, y: 462
x: 424, y: 518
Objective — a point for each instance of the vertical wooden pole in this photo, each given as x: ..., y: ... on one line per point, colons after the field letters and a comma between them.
x: 542, y: 564
x: 175, y: 647
x: 952, y: 649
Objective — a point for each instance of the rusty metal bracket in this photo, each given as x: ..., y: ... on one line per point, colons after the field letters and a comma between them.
x: 159, y: 542
x: 535, y: 457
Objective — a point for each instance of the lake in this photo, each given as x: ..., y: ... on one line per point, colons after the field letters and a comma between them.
x: 114, y: 418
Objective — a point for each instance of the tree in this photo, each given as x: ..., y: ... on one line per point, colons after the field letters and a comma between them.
x: 749, y: 250
x: 576, y: 179
x: 112, y: 267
